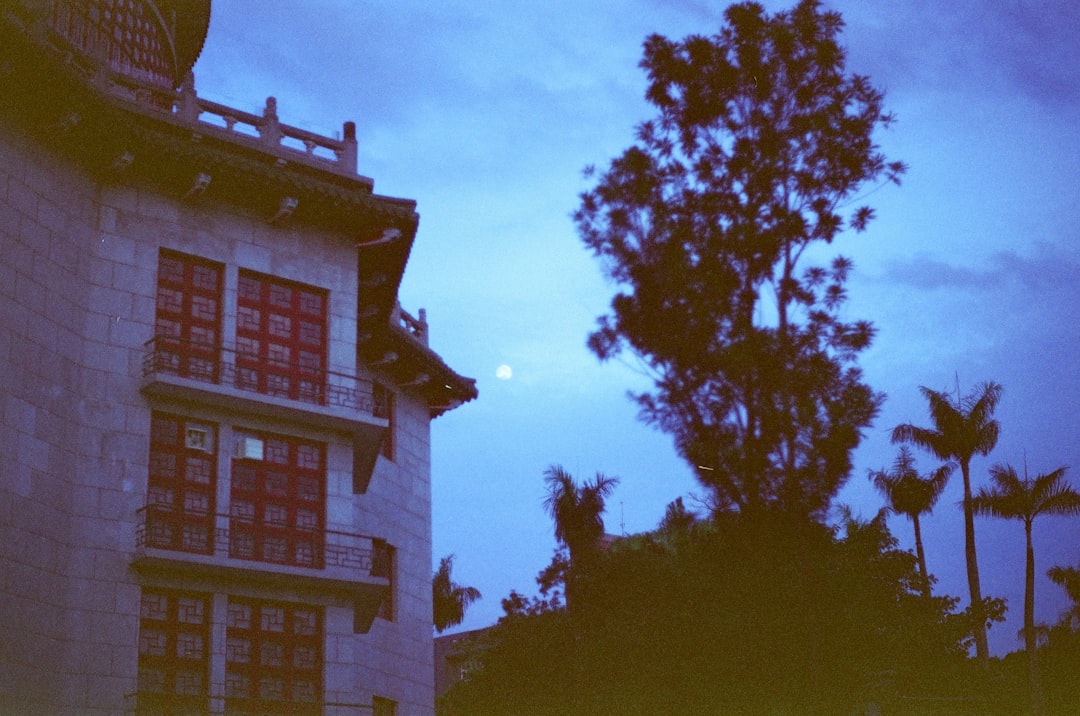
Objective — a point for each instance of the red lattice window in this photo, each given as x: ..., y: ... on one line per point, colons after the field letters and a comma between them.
x: 187, y: 327
x: 174, y: 651
x: 281, y: 338
x: 278, y: 500
x: 123, y: 33
x: 273, y: 657
x: 181, y: 487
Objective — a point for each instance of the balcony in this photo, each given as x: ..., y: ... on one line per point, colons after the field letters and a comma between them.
x: 238, y: 548
x: 290, y: 392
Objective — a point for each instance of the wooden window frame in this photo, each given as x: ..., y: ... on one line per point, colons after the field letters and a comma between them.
x: 187, y: 316
x: 277, y: 504
x: 274, y: 657
x: 167, y: 638
x: 181, y: 490
x: 282, y: 337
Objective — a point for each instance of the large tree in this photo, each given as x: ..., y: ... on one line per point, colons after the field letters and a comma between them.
x: 961, y: 428
x: 911, y: 494
x: 762, y: 142
x: 1013, y: 498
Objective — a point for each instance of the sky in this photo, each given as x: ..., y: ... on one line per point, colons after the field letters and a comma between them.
x: 487, y: 113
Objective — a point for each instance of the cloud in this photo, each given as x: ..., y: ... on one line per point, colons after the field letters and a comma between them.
x: 1020, y: 48
x: 1048, y: 270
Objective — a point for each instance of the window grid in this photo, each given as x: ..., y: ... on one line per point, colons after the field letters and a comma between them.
x: 97, y: 26
x: 174, y: 651
x: 277, y: 501
x: 188, y: 315
x: 182, y: 484
x: 273, y: 657
x: 281, y: 338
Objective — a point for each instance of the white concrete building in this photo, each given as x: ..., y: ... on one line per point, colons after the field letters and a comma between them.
x: 214, y: 416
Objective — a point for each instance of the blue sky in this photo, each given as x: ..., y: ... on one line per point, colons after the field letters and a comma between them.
x: 486, y: 114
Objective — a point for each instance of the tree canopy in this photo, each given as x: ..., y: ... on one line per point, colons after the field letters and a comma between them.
x: 761, y: 144
x: 740, y: 615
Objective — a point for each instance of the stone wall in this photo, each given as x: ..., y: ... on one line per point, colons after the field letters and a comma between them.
x: 78, y: 263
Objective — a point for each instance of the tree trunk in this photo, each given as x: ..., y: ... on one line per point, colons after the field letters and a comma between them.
x: 922, y: 557
x: 982, y: 650
x: 1029, y: 625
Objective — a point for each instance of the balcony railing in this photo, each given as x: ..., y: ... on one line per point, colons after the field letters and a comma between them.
x: 242, y: 538
x: 228, y: 367
x: 156, y: 702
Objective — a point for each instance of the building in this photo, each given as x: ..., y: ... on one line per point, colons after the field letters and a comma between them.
x: 456, y: 656
x: 214, y: 415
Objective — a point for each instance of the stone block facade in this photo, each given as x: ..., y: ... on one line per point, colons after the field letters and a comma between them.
x: 209, y: 501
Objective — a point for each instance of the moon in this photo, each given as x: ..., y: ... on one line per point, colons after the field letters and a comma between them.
x: 503, y: 372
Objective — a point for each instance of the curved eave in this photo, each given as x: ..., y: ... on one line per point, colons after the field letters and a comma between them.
x: 192, y: 24
x: 420, y: 371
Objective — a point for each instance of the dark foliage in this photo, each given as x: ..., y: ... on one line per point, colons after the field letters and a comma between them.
x: 742, y: 615
x: 761, y: 141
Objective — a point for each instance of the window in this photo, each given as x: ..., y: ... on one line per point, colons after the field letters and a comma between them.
x: 277, y: 499
x: 273, y: 654
x: 384, y: 564
x: 281, y: 338
x: 187, y: 327
x: 182, y: 483
x: 384, y: 408
x: 383, y: 707
x: 125, y: 33
x: 174, y: 651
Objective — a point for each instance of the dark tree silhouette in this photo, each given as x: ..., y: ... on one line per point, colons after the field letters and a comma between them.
x: 743, y: 614
x: 449, y: 599
x: 762, y: 139
x: 577, y: 511
x: 1068, y: 578
x: 1013, y: 498
x: 677, y: 520
x: 961, y: 428
x: 911, y: 494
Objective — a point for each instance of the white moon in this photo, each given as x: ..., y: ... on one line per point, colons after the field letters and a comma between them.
x: 503, y: 372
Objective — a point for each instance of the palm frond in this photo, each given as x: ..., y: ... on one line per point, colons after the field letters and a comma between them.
x: 1055, y: 496
x: 1069, y: 579
x: 980, y: 404
x: 930, y: 440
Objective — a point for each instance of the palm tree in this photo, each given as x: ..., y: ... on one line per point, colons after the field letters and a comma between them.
x: 449, y: 599
x: 961, y: 429
x: 577, y: 513
x: 909, y: 493
x: 1068, y: 578
x: 1025, y: 499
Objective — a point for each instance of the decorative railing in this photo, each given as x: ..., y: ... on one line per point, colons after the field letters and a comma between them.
x: 167, y: 528
x: 417, y: 327
x: 157, y: 702
x: 286, y: 141
x: 244, y: 371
